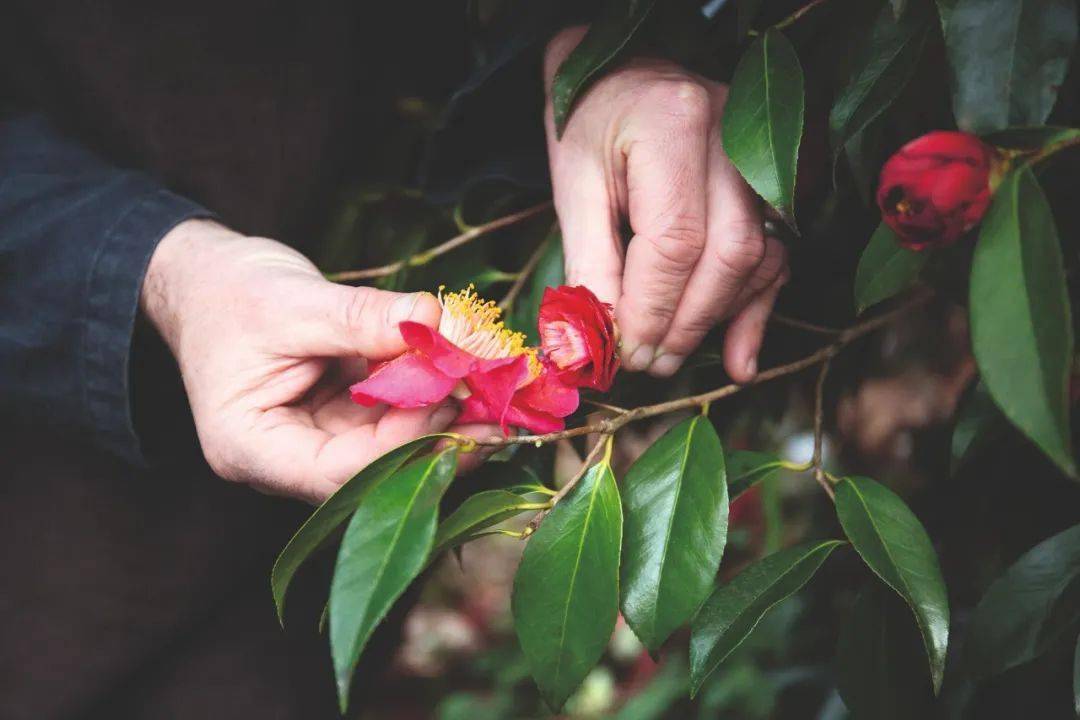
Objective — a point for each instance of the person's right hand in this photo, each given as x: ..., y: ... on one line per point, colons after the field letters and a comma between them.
x: 268, y: 348
x: 643, y: 147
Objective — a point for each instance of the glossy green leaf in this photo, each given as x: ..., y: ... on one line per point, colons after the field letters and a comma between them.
x: 1021, y: 324
x: 945, y: 8
x: 880, y: 665
x: 746, y: 468
x: 548, y: 273
x: 385, y: 547
x: 676, y: 510
x: 1008, y: 59
x: 886, y: 269
x: 735, y: 609
x: 566, y: 591
x: 763, y: 120
x: 331, y: 514
x: 610, y: 33
x: 478, y: 512
x: 978, y: 424
x: 893, y: 542
x: 1028, y: 608
x: 883, y: 68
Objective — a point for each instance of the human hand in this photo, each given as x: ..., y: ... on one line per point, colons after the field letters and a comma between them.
x: 644, y: 144
x: 267, y: 349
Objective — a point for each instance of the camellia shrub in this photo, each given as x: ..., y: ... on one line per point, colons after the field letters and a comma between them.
x: 949, y: 125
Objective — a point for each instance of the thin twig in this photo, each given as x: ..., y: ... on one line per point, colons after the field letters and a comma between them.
x: 819, y: 430
x: 803, y: 325
x: 794, y: 17
x: 611, y: 425
x: 453, y: 243
x: 523, y: 276
x: 599, y: 447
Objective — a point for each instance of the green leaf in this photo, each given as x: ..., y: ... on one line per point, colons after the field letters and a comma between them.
x: 879, y: 659
x: 1026, y: 609
x: 763, y: 120
x: 548, y: 273
x: 883, y: 68
x: 566, y: 591
x: 746, y: 468
x: 1021, y: 324
x: 735, y: 609
x: 676, y: 504
x: 945, y: 9
x: 886, y: 268
x: 610, y: 33
x: 385, y: 547
x: 332, y: 513
x: 978, y: 424
x: 898, y: 7
x: 1008, y: 59
x: 893, y: 542
x: 478, y: 512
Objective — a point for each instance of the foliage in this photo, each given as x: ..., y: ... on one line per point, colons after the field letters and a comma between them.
x: 659, y: 535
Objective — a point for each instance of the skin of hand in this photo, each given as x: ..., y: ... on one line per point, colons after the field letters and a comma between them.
x: 267, y: 349
x: 643, y: 144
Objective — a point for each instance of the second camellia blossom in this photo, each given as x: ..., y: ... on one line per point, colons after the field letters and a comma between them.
x: 495, y: 376
x: 937, y: 187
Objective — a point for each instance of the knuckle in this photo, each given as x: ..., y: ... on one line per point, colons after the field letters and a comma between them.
x: 742, y: 249
x: 686, y: 101
x: 677, y: 248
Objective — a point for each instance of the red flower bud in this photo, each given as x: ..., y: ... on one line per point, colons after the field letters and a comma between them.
x: 937, y: 187
x: 578, y: 336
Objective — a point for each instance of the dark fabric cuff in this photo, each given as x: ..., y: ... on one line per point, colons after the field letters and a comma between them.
x: 112, y: 305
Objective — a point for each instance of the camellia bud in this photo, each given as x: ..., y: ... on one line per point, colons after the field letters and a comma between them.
x: 937, y: 187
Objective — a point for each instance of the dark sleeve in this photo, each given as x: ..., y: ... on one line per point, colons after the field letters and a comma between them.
x: 75, y: 238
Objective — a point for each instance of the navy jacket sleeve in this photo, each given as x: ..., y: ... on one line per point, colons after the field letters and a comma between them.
x: 76, y: 235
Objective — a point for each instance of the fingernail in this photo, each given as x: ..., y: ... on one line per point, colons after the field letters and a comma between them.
x: 441, y: 418
x: 403, y: 307
x: 666, y: 364
x: 641, y: 358
x: 751, y: 366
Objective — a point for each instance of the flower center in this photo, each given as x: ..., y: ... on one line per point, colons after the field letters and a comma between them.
x: 565, y: 344
x: 475, y: 325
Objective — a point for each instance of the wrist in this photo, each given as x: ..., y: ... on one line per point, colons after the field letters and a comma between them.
x: 172, y: 274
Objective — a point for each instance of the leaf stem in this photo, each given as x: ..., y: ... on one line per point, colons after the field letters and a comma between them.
x: 819, y: 432
x: 453, y: 243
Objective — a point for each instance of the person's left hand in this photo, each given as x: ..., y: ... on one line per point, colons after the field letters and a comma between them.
x: 643, y: 144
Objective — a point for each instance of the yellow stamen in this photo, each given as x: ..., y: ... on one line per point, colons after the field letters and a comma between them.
x: 475, y: 325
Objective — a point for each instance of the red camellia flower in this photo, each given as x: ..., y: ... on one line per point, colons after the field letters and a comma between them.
x: 473, y: 357
x: 937, y: 187
x: 578, y: 337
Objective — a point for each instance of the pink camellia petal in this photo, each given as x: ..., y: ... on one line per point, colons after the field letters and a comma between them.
x: 473, y: 410
x: 445, y: 355
x: 548, y: 394
x: 408, y: 381
x: 495, y: 386
x: 533, y: 421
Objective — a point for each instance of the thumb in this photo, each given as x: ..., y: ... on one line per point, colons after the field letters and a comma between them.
x: 342, y: 321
